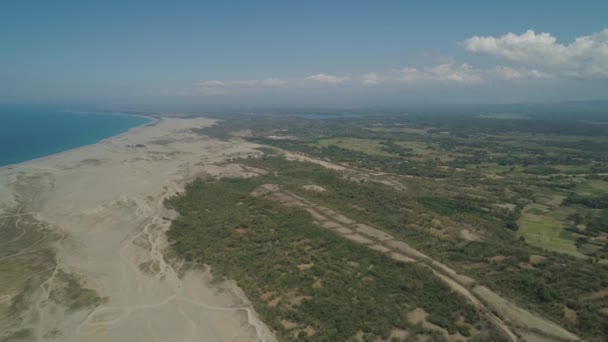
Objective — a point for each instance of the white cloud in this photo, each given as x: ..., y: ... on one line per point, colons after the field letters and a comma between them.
x: 212, y: 83
x: 409, y: 74
x: 456, y: 72
x: 371, y: 79
x: 461, y: 73
x: 513, y: 74
x: 324, y: 78
x: 442, y: 72
x: 586, y: 56
x: 218, y: 87
x: 268, y: 82
x: 449, y: 73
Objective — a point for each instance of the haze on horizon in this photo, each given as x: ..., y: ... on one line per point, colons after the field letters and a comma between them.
x: 312, y: 53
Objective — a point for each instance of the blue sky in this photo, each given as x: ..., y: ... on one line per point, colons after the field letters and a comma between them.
x: 302, y: 52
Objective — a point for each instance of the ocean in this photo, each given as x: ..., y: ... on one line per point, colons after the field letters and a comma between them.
x: 29, y: 133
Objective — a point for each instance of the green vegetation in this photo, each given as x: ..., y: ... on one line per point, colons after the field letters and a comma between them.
x: 447, y: 206
x: 68, y: 291
x: 305, y: 281
x: 517, y: 204
x: 545, y: 231
x: 367, y: 146
x: 19, y: 335
x: 540, y: 170
x: 21, y: 273
x: 594, y: 202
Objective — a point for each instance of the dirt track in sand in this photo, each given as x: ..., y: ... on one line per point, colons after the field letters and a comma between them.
x: 98, y: 213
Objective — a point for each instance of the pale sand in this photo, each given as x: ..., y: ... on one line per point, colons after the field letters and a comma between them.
x: 107, y: 202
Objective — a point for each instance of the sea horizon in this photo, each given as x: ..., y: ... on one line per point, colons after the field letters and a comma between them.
x: 28, y: 133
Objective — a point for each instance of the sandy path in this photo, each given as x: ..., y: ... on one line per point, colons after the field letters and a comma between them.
x: 105, y: 201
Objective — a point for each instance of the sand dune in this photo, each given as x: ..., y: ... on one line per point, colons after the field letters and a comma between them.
x: 98, y: 211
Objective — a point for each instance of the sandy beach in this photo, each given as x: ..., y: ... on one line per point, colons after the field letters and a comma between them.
x: 84, y: 253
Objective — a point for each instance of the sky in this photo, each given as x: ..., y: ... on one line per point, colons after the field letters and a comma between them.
x: 302, y: 53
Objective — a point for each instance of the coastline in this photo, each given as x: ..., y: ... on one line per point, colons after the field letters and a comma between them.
x: 108, y: 113
x: 99, y: 210
x: 151, y: 121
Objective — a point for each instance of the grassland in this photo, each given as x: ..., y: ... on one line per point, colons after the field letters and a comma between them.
x: 542, y: 224
x: 592, y: 187
x: 544, y: 230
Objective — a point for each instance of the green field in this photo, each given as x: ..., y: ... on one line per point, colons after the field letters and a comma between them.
x: 546, y: 231
x: 592, y: 187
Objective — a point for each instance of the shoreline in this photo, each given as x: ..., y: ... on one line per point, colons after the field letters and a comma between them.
x: 146, y: 116
x: 152, y: 121
x: 101, y: 214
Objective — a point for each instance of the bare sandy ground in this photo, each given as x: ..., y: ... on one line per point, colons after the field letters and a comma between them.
x: 104, y: 205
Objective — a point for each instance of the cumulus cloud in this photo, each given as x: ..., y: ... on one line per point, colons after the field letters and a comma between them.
x: 325, y: 78
x: 586, y: 56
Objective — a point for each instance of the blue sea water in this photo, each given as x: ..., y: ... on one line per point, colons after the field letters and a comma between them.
x: 29, y: 133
